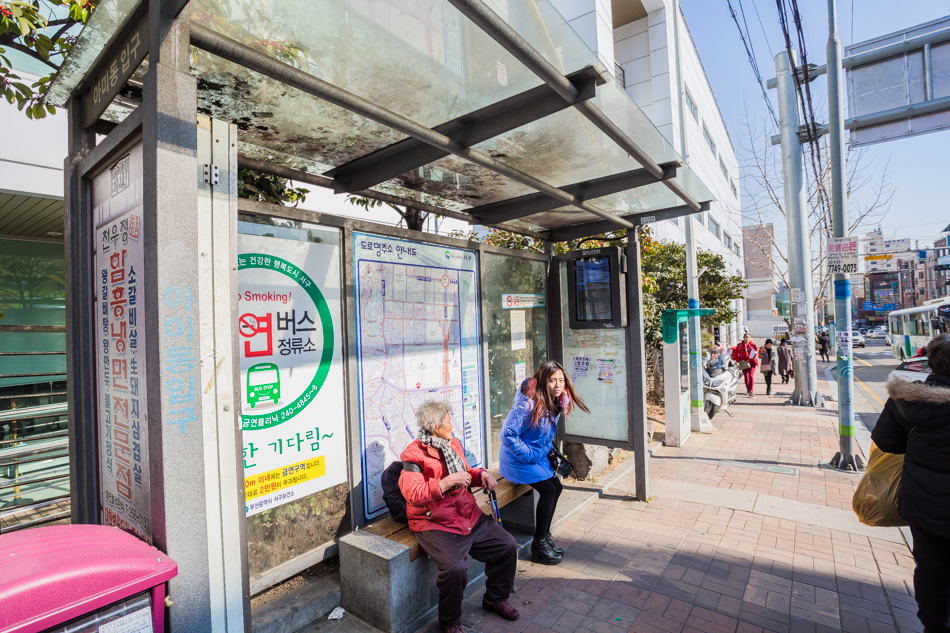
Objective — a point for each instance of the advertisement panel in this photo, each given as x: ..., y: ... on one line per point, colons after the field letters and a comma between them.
x: 291, y: 380
x: 418, y: 338
x: 121, y: 419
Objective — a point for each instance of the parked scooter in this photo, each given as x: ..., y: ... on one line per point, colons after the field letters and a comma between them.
x: 720, y: 383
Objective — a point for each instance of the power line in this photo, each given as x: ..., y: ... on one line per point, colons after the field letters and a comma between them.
x: 762, y: 26
x: 750, y: 53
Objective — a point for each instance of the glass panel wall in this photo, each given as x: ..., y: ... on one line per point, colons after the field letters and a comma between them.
x: 516, y: 329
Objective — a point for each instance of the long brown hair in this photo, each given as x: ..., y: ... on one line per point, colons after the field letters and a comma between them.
x: 543, y: 401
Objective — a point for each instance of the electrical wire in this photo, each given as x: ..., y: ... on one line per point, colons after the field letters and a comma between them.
x: 762, y: 26
x: 746, y: 38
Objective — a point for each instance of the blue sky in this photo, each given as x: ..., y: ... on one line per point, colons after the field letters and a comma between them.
x: 919, y: 166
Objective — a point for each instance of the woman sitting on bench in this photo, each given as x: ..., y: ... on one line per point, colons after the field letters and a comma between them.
x: 447, y: 521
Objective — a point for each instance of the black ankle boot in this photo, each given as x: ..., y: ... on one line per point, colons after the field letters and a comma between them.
x: 550, y: 541
x: 542, y: 552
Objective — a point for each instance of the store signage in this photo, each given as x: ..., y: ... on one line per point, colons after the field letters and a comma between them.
x: 119, y: 256
x: 842, y: 255
x: 872, y: 258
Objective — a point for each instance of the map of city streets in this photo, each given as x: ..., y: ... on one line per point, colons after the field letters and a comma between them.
x: 418, y: 339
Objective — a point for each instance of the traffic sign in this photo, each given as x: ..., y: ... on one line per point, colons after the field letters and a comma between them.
x: 888, y: 306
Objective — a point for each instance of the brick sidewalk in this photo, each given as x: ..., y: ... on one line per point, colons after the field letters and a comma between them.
x: 675, y: 565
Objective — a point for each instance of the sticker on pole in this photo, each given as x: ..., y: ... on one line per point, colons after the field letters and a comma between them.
x: 844, y: 344
x: 842, y: 255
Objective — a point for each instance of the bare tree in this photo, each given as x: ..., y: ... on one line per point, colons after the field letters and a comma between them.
x: 765, y: 198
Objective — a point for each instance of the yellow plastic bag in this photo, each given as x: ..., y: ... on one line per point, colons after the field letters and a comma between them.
x: 875, y: 499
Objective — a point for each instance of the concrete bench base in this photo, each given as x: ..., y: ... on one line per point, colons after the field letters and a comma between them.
x: 381, y: 585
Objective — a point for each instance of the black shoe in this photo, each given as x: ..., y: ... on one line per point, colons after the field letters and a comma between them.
x: 550, y: 541
x: 542, y: 552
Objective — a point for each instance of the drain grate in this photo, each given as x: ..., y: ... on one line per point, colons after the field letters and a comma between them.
x: 731, y: 463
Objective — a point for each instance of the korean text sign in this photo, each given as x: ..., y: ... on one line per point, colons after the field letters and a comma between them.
x: 419, y: 338
x: 842, y: 255
x: 291, y: 381
x: 120, y: 353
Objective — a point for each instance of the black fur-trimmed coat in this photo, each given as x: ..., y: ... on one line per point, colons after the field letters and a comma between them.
x: 916, y: 422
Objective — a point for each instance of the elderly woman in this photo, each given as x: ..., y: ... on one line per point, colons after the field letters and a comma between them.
x: 746, y: 354
x: 447, y: 520
x: 915, y: 422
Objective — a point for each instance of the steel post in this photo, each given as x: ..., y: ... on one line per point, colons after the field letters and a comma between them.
x: 845, y: 459
x: 799, y: 248
x: 636, y: 381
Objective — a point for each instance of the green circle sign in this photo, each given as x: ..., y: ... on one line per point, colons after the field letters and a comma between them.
x: 282, y: 266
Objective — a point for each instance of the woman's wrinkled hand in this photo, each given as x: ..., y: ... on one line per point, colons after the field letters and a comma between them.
x: 456, y: 480
x: 488, y: 481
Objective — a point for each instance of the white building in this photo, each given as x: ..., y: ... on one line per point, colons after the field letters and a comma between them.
x: 876, y: 245
x: 645, y: 49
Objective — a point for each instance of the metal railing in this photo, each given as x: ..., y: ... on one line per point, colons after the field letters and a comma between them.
x: 34, y: 462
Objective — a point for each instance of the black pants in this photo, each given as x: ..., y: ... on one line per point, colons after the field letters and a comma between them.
x: 549, y: 490
x: 488, y: 543
x: 785, y: 378
x: 932, y: 581
x: 824, y: 354
x: 768, y: 381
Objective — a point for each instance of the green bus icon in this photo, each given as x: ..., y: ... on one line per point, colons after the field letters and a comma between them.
x: 263, y: 383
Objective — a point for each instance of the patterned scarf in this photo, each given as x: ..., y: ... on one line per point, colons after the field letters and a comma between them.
x: 454, y: 463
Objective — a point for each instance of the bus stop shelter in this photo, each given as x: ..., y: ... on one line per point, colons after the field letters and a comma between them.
x: 495, y: 113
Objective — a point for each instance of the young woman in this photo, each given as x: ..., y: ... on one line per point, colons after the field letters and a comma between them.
x: 526, y: 440
x: 767, y: 364
x: 746, y: 354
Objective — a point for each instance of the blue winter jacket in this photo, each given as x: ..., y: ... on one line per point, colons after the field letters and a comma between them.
x: 524, y: 449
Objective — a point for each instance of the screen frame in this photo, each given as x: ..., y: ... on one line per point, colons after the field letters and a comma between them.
x: 618, y: 290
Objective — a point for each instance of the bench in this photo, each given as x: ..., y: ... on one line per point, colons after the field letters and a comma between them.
x: 385, y: 576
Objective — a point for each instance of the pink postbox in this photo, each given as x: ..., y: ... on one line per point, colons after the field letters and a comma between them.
x: 81, y: 574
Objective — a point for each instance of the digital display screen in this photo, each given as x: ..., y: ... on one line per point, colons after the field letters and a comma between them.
x: 592, y: 278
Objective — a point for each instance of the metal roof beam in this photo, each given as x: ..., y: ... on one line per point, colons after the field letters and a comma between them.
x: 522, y: 206
x: 500, y: 31
x: 470, y: 129
x: 578, y: 231
x: 238, y: 53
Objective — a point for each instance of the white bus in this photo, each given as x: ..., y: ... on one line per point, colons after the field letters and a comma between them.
x: 912, y: 328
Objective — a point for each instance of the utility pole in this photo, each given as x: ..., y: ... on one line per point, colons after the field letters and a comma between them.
x: 802, y: 291
x: 698, y: 420
x: 845, y: 458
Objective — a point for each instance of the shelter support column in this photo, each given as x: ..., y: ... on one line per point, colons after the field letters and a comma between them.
x: 636, y: 368
x: 189, y: 267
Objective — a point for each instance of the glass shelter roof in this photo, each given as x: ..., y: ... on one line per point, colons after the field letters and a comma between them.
x: 505, y: 134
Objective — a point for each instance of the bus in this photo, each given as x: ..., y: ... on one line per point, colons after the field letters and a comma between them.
x: 912, y: 328
x: 263, y: 383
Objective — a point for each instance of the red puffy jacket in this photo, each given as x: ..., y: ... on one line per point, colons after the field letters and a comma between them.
x: 427, y: 508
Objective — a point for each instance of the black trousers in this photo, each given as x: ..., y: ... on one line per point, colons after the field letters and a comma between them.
x: 932, y: 581
x: 488, y: 543
x: 768, y: 381
x: 548, y: 490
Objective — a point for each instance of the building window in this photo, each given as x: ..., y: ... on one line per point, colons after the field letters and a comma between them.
x: 714, y: 227
x: 722, y: 166
x: 709, y: 140
x: 727, y: 240
x: 691, y: 106
x: 621, y: 75
x: 732, y: 185
x: 735, y: 248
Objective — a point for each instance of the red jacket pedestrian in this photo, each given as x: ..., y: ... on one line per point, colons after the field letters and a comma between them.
x: 747, y: 351
x: 447, y: 521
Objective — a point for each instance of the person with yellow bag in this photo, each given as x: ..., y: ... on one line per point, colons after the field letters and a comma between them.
x: 916, y: 423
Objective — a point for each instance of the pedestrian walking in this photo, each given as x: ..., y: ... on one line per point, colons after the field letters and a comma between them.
x: 526, y: 440
x: 767, y: 364
x: 447, y: 521
x: 784, y: 353
x: 823, y: 346
x: 746, y: 354
x: 916, y: 422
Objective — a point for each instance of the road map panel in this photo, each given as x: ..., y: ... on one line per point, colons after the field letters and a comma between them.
x: 418, y: 338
